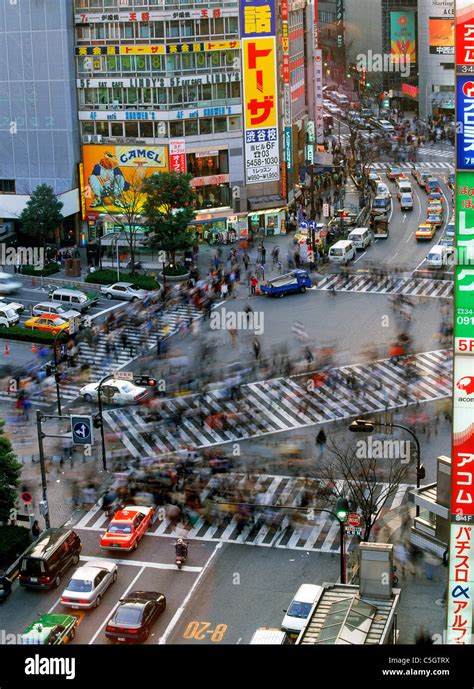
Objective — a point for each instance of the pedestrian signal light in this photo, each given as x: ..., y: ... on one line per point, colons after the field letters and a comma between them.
x: 342, y: 508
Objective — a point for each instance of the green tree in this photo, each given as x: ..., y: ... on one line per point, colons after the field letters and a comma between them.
x: 169, y: 210
x: 10, y: 473
x: 42, y: 214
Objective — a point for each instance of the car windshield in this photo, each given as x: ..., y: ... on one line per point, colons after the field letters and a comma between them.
x: 127, y: 387
x: 128, y: 615
x: 120, y: 527
x: 79, y: 585
x: 10, y: 313
x: 299, y: 610
x: 379, y: 203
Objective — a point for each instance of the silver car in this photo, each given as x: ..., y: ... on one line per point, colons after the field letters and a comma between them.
x: 88, y: 584
x: 48, y: 308
x: 124, y: 290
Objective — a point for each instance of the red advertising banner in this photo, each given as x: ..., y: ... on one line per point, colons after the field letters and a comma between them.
x: 177, y: 155
x: 464, y: 34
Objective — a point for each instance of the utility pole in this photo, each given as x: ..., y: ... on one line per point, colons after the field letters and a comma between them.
x: 44, y: 484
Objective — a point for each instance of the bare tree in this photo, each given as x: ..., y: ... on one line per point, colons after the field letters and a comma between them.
x: 369, y: 481
x: 128, y: 217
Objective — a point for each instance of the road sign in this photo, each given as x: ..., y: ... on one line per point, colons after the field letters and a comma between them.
x: 124, y: 375
x: 82, y: 430
x: 74, y: 325
x: 353, y: 531
x: 353, y: 519
x: 26, y: 497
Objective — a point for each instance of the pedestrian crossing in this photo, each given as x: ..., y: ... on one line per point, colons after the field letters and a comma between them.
x: 441, y: 152
x: 281, y: 404
x: 413, y: 287
x: 429, y: 165
x: 307, y: 529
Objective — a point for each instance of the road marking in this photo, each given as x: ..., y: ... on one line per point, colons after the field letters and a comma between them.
x: 394, y: 255
x: 361, y: 256
x: 180, y: 610
x: 111, y: 308
x: 56, y: 602
x: 420, y: 264
x: 110, y: 614
x: 143, y: 563
x: 404, y: 217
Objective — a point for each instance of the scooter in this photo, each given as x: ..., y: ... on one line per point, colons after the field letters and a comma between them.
x: 181, y: 558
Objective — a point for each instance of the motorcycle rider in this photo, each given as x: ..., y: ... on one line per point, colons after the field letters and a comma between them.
x: 181, y: 548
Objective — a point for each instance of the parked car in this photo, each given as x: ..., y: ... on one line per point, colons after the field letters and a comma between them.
x: 51, y: 309
x: 114, y: 392
x: 135, y: 615
x: 124, y: 290
x: 88, y: 584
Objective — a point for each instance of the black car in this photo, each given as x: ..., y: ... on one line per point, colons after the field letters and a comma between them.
x: 135, y: 615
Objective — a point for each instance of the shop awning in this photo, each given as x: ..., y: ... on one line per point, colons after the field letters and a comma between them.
x: 260, y: 203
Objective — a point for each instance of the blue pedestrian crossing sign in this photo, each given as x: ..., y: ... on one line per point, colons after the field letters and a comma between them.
x: 82, y: 430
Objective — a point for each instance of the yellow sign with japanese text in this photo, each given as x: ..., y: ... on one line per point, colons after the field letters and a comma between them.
x: 260, y: 84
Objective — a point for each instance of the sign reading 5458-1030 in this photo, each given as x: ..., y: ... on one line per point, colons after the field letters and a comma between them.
x: 465, y: 123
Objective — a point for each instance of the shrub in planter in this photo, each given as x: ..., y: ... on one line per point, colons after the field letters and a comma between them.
x: 50, y: 269
x: 13, y: 541
x: 108, y: 277
x: 175, y: 271
x: 17, y: 332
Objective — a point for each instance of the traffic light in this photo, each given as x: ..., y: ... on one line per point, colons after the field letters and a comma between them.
x: 421, y: 472
x: 342, y: 508
x: 97, y: 421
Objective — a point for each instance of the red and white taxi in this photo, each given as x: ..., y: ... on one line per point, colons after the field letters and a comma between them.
x: 127, y: 528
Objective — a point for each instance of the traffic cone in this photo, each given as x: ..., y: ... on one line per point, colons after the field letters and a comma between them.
x: 7, y: 351
x: 33, y: 348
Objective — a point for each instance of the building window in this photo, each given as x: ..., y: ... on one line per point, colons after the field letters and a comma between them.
x: 235, y: 124
x: 176, y: 128
x: 102, y: 128
x: 131, y: 130
x: 220, y: 124
x: 191, y: 128
x: 7, y: 186
x: 146, y: 130
x: 205, y: 126
x: 116, y: 128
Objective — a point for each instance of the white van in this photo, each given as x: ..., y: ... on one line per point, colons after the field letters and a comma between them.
x: 438, y: 256
x: 8, y: 316
x: 342, y: 251
x: 360, y: 237
x: 269, y: 637
x: 297, y: 614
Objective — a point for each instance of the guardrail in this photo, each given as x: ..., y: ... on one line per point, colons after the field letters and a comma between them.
x: 58, y: 282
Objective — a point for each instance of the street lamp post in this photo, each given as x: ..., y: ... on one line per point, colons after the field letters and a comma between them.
x: 363, y: 426
x: 56, y: 372
x: 44, y: 485
x: 101, y: 418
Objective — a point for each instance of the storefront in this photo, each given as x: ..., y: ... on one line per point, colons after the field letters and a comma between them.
x: 220, y: 229
x: 267, y: 222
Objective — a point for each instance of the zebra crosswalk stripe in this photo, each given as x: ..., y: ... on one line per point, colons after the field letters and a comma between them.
x: 285, y: 404
x: 318, y: 532
x: 418, y: 287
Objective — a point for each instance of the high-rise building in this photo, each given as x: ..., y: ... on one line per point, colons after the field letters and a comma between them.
x: 193, y: 86
x: 39, y: 140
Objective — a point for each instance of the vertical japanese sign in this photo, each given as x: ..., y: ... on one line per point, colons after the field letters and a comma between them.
x: 318, y: 90
x: 340, y: 22
x: 465, y: 36
x: 177, y: 155
x: 262, y: 155
x: 461, y: 546
x: 286, y: 86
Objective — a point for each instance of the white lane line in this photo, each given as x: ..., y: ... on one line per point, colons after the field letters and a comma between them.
x: 111, y: 308
x: 88, y: 516
x: 394, y: 256
x: 361, y: 256
x: 144, y: 564
x: 56, y: 602
x: 181, y: 608
x: 420, y: 264
x: 110, y: 614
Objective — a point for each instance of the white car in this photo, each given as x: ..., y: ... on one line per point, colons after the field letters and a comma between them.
x: 386, y: 126
x: 114, y: 392
x: 88, y: 584
x: 50, y: 309
x: 124, y: 290
x: 297, y: 614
